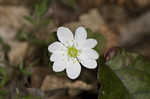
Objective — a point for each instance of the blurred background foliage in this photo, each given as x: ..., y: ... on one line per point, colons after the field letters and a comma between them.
x: 121, y: 27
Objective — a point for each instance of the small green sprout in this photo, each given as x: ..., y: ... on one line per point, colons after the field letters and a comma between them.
x: 3, y: 77
x: 24, y: 70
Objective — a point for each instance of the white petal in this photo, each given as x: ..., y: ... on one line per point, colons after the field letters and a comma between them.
x: 56, y: 46
x: 59, y: 66
x: 90, y: 64
x: 58, y: 56
x: 90, y: 43
x: 90, y: 53
x: 87, y: 44
x: 73, y: 69
x: 87, y: 62
x: 55, y: 56
x: 65, y: 36
x: 80, y: 34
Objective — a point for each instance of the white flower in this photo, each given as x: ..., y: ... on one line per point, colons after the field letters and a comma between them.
x: 73, y: 50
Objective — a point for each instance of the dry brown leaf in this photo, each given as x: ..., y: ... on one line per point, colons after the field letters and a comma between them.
x: 18, y: 52
x: 52, y: 82
x: 38, y: 75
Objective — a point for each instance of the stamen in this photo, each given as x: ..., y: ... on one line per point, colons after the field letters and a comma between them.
x: 73, y: 52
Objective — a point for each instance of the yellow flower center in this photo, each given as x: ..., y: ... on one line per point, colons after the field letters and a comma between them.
x: 72, y: 52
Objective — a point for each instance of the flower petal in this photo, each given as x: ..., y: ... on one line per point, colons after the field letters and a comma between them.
x: 87, y: 62
x: 90, y: 64
x: 65, y: 36
x: 90, y: 53
x: 90, y: 43
x: 87, y: 44
x: 73, y: 69
x: 80, y: 34
x: 59, y: 65
x: 58, y: 56
x: 56, y: 46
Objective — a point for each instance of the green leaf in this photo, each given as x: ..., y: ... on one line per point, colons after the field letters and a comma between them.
x: 52, y: 38
x: 26, y: 72
x: 70, y: 3
x: 5, y: 46
x: 1, y: 40
x: 125, y: 76
x: 3, y: 92
x: 29, y: 18
x: 23, y: 36
x: 44, y: 22
x: 40, y: 9
x: 21, y: 66
x: 30, y: 37
x: 3, y: 77
x: 1, y: 97
x: 31, y: 97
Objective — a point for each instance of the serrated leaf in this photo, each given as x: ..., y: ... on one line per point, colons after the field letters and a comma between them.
x: 125, y: 76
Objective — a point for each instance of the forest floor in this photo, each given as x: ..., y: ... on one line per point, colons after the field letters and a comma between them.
x: 25, y: 27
